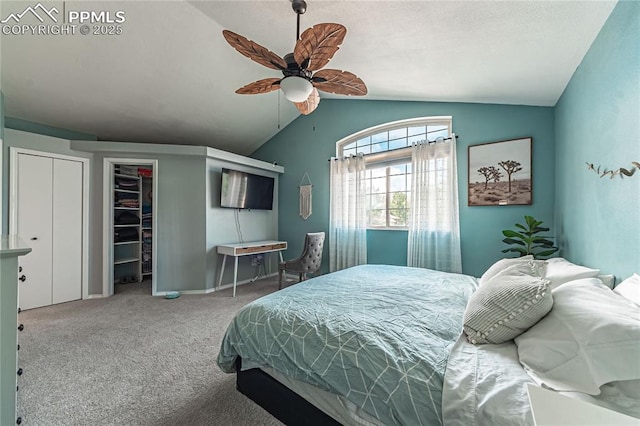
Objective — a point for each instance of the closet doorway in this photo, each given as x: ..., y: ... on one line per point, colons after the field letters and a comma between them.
x: 49, y: 210
x: 130, y: 222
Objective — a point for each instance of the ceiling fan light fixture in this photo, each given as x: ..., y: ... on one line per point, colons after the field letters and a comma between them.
x: 296, y: 89
x: 303, y: 69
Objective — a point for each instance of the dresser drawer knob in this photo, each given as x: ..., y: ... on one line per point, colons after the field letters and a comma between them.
x: 23, y: 278
x: 19, y: 421
x: 21, y: 327
x: 20, y: 371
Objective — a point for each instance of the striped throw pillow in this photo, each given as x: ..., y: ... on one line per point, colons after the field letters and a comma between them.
x: 508, y: 304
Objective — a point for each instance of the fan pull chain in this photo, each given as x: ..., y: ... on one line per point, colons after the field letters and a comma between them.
x: 278, y: 109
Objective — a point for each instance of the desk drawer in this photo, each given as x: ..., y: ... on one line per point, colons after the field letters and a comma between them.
x: 260, y: 249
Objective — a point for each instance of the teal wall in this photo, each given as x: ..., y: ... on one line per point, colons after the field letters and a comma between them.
x: 598, y: 121
x: 379, y: 242
x: 308, y: 142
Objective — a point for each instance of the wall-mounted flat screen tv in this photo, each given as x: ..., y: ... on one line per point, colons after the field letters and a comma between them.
x: 242, y: 190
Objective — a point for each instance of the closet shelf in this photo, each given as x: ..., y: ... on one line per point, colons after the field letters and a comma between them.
x: 125, y: 260
x: 126, y: 242
x: 132, y: 235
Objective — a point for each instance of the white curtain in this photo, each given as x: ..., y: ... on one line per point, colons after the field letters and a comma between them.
x: 434, y: 227
x: 348, y: 214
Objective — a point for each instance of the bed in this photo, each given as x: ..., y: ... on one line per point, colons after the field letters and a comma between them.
x: 383, y: 345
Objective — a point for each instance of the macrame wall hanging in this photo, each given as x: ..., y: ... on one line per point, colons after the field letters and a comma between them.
x: 305, y: 197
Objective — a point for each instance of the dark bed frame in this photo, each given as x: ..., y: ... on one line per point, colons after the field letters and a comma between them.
x: 283, y: 403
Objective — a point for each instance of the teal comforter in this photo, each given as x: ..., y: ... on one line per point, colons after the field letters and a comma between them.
x: 378, y: 335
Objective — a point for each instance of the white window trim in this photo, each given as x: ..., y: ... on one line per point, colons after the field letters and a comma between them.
x: 393, y: 125
x: 394, y: 155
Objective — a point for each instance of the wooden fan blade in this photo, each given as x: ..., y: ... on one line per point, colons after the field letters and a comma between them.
x: 318, y: 44
x: 261, y: 86
x: 254, y: 51
x: 339, y: 82
x: 308, y: 106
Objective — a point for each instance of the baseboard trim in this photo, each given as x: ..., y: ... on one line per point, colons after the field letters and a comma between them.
x: 94, y: 296
x: 290, y: 277
x: 205, y: 291
x: 222, y: 287
x: 248, y: 281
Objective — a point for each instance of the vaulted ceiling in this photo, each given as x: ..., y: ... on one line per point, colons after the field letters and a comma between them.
x: 170, y: 76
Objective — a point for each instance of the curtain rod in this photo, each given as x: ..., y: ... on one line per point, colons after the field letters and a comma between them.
x: 397, y: 149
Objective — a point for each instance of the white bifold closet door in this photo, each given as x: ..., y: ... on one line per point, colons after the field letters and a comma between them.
x: 49, y: 219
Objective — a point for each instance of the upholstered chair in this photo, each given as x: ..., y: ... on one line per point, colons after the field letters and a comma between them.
x: 308, y: 262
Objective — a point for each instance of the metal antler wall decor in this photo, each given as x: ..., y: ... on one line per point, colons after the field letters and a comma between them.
x: 612, y: 173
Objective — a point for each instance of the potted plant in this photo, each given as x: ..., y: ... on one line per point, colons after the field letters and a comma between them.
x: 526, y: 240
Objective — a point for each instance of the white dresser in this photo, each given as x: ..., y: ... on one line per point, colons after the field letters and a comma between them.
x: 11, y: 247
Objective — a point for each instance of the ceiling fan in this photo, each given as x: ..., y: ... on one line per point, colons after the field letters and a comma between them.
x: 302, y: 72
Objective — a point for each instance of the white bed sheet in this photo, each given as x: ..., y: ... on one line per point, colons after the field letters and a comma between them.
x: 486, y: 385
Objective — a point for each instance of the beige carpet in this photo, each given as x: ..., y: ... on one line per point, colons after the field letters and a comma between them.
x: 134, y: 359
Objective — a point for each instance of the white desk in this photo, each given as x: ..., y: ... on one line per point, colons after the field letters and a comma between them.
x: 244, y: 249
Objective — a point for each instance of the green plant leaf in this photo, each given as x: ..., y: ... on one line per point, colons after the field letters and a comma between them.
x: 512, y: 241
x: 541, y: 238
x: 540, y: 229
x: 522, y: 227
x: 543, y: 242
x: 531, y: 222
x: 513, y: 234
x: 546, y: 253
x: 516, y: 250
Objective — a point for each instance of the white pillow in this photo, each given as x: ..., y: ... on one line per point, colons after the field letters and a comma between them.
x: 630, y: 288
x: 501, y: 265
x: 560, y: 271
x: 590, y: 337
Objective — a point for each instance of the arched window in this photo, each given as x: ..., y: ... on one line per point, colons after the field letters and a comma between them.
x: 387, y: 150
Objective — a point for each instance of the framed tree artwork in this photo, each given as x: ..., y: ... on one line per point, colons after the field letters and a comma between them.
x: 500, y: 173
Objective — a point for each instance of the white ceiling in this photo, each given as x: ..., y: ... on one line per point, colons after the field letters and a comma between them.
x: 171, y: 76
